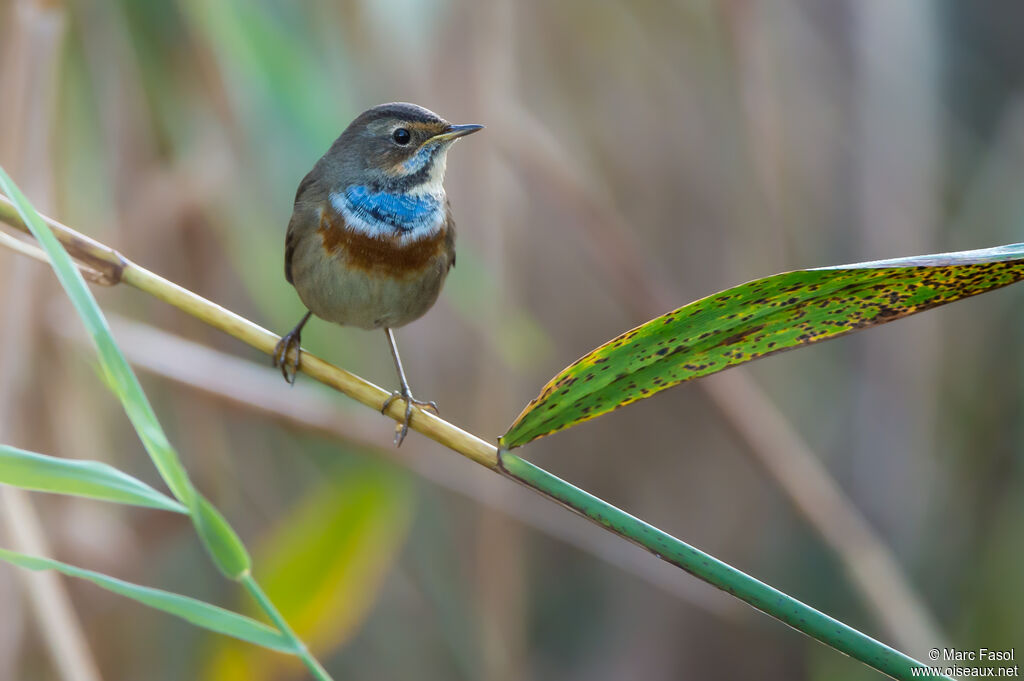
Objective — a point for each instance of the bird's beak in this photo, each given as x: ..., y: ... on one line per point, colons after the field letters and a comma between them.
x: 454, y: 132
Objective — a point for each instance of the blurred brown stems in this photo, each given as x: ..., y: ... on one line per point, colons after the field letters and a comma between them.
x: 29, y: 82
x: 500, y: 581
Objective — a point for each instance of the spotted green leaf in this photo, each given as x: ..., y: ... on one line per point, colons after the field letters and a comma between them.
x: 754, y: 320
x: 195, y: 611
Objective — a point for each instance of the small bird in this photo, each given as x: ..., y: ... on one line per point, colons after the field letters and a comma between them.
x: 371, y: 237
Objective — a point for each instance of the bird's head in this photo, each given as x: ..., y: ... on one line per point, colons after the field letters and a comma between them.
x: 396, y: 147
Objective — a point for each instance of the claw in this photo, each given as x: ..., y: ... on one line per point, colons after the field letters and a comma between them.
x: 289, y: 369
x: 402, y: 428
x: 289, y: 341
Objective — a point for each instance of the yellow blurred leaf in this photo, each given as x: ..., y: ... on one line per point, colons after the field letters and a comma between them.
x: 323, y: 565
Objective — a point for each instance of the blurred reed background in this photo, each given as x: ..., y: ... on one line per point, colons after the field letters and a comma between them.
x: 638, y: 155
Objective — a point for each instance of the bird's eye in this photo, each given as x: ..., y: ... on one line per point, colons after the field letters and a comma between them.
x: 401, y: 136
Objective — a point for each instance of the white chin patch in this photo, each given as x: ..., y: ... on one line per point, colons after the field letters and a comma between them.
x: 434, y: 183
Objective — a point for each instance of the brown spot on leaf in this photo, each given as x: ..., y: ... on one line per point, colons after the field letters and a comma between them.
x: 737, y: 337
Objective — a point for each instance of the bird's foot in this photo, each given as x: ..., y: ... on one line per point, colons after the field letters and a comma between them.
x: 289, y: 364
x: 402, y: 429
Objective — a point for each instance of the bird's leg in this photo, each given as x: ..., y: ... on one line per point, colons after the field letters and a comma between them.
x: 405, y: 394
x: 292, y: 339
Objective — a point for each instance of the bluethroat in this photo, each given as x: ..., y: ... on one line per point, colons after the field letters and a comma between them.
x: 371, y: 238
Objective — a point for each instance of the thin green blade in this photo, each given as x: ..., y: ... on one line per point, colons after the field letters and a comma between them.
x: 92, y: 479
x: 118, y: 373
x: 754, y: 320
x: 195, y: 611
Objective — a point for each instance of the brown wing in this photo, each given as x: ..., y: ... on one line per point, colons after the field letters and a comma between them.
x: 290, y: 242
x: 291, y: 238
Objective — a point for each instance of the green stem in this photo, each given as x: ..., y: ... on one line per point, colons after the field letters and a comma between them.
x: 268, y: 607
x: 768, y: 600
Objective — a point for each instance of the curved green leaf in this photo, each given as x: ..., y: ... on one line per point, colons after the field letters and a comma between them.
x: 195, y: 611
x: 92, y: 479
x: 224, y: 546
x: 117, y: 372
x: 754, y: 320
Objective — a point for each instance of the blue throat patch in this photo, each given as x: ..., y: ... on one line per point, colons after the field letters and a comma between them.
x: 401, y: 212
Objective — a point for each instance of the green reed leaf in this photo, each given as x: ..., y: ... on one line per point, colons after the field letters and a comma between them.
x: 190, y: 609
x: 92, y: 479
x: 118, y: 373
x: 754, y: 320
x: 220, y: 540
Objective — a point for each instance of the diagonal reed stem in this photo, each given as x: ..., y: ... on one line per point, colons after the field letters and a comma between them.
x: 267, y: 605
x: 116, y: 268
